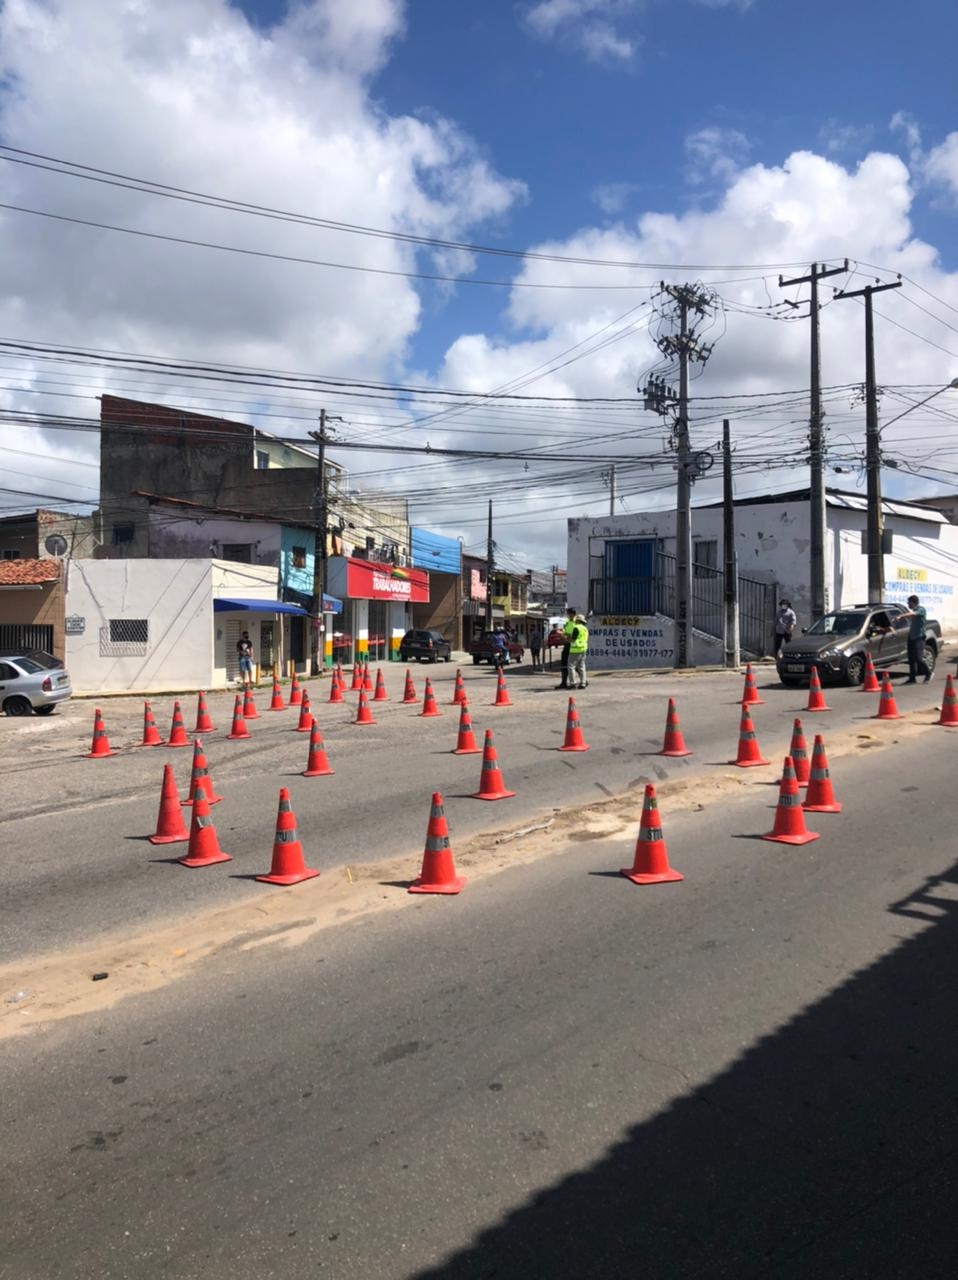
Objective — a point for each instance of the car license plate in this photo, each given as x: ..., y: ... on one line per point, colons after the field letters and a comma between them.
x: 795, y: 666
x: 62, y: 679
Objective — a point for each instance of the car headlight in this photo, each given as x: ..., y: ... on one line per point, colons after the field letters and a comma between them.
x: 832, y: 653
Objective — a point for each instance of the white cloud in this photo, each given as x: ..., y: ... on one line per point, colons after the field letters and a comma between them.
x: 612, y: 197
x: 586, y: 24
x: 715, y: 154
x: 941, y: 164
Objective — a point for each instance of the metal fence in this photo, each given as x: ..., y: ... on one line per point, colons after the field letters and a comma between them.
x: 655, y: 593
x: 24, y: 635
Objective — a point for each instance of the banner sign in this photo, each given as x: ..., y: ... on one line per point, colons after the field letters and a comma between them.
x: 631, y: 641
x: 369, y: 580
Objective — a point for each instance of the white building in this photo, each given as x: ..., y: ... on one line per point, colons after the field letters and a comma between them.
x: 622, y: 569
x: 165, y: 625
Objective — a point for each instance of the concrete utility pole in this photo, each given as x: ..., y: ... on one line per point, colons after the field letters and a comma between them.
x: 489, y: 567
x: 685, y: 346
x: 732, y: 655
x: 320, y: 508
x: 816, y: 450
x: 875, y: 532
x: 612, y: 490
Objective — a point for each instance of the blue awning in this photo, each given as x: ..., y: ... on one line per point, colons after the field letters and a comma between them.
x: 223, y: 605
x: 331, y: 604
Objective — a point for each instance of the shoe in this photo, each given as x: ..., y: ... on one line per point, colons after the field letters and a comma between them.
x: 911, y: 680
x: 583, y: 686
x: 561, y: 686
x: 927, y: 677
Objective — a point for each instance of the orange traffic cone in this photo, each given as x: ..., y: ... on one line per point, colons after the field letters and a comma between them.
x: 429, y: 707
x: 363, y: 714
x: 276, y: 703
x: 204, y: 723
x: 100, y: 745
x: 491, y: 785
x: 674, y: 744
x: 249, y: 706
x: 305, y: 722
x: 178, y: 737
x: 239, y: 729
x: 949, y: 704
x: 438, y: 874
x: 820, y: 798
x: 295, y: 692
x: 789, y: 826
x: 502, y: 693
x: 317, y: 764
x: 466, y: 744
x: 574, y: 740
x: 336, y: 689
x: 748, y: 750
x: 887, y: 709
x: 357, y: 677
x: 151, y: 734
x: 750, y: 692
x: 170, y: 827
x: 289, y: 865
x: 459, y: 690
x: 204, y: 847
x: 380, y: 695
x: 200, y: 779
x: 816, y: 699
x: 367, y: 677
x: 870, y: 683
x: 409, y: 692
x: 651, y: 862
x: 798, y: 750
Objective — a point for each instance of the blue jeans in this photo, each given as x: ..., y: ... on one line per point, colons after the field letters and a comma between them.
x: 916, y: 659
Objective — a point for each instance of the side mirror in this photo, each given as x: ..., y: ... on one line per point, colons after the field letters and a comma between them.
x: 804, y: 631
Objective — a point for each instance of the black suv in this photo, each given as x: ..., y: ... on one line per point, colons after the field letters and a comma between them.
x: 424, y: 646
x: 838, y: 644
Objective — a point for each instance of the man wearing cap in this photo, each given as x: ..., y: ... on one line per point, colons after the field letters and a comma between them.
x: 567, y: 630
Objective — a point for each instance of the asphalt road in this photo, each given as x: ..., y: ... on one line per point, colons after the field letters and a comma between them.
x: 556, y: 1074
x: 73, y: 852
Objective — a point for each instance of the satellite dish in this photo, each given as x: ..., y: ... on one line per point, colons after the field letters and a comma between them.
x: 56, y: 544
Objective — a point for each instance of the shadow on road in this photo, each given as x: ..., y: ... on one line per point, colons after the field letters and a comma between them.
x: 827, y: 1150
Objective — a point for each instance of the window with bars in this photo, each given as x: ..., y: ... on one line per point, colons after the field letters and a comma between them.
x: 125, y: 638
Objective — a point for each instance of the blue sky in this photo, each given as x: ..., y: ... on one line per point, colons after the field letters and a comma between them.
x: 691, y: 133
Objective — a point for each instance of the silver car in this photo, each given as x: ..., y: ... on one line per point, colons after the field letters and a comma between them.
x: 31, y: 681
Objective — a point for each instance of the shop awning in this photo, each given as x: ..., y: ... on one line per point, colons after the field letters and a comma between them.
x: 223, y: 604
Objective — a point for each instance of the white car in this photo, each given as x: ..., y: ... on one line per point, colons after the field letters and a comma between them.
x: 31, y: 681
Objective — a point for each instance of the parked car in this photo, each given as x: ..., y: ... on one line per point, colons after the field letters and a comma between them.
x: 424, y: 646
x: 838, y: 644
x: 31, y: 680
x: 482, y: 650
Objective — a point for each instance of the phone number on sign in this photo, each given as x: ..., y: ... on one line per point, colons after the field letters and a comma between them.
x: 635, y: 653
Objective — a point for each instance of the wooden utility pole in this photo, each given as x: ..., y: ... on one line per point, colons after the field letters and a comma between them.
x: 874, y: 530
x: 321, y: 513
x: 489, y: 567
x: 730, y: 559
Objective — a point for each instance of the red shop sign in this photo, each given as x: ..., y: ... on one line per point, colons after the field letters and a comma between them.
x: 368, y: 580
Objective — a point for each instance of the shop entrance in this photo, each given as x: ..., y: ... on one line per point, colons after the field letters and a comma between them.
x: 378, y: 631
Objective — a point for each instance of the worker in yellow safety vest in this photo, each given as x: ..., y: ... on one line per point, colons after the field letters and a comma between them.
x: 567, y: 629
x: 578, y: 648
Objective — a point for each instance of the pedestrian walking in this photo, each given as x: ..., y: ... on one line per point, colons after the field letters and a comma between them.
x: 578, y: 648
x: 785, y: 621
x: 244, y: 648
x: 567, y: 630
x: 917, y: 629
x: 535, y: 647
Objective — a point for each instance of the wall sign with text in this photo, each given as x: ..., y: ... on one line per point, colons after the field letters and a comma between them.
x: 631, y: 641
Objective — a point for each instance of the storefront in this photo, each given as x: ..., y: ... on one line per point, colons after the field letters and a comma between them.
x: 377, y: 608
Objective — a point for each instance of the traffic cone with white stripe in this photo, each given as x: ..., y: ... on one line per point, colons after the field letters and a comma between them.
x: 429, y: 707
x: 295, y: 692
x: 816, y: 699
x: 204, y: 847
x: 249, y: 705
x: 151, y: 734
x: 357, y: 676
x: 170, y: 827
x: 466, y: 744
x: 651, y: 862
x: 502, y: 693
x: 674, y: 743
x: 491, y: 785
x: 798, y: 750
x: 459, y: 690
x: 949, y: 704
x: 289, y: 864
x: 200, y: 779
x: 336, y: 688
x: 305, y: 722
x: 100, y: 746
x: 820, y: 798
x: 573, y: 740
x: 749, y: 754
x: 239, y: 729
x: 178, y: 736
x: 367, y: 676
x: 870, y: 683
x: 317, y: 764
x: 887, y: 707
x: 204, y: 723
x: 750, y: 692
x: 276, y: 702
x: 438, y: 874
x: 409, y: 691
x: 380, y: 694
x: 363, y: 714
x: 789, y: 826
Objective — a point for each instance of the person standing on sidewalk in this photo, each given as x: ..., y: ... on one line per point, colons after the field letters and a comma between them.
x: 578, y: 648
x: 567, y: 630
x: 916, y: 640
x: 535, y: 647
x: 244, y: 649
x: 785, y: 621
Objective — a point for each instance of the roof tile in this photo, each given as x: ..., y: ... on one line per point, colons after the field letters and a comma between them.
x: 28, y: 573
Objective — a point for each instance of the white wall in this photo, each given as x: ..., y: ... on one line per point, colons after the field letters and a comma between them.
x: 923, y: 562
x: 174, y: 598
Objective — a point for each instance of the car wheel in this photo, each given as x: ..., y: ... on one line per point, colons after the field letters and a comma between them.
x: 930, y: 657
x: 45, y: 711
x: 448, y: 658
x: 476, y: 660
x: 855, y: 669
x: 17, y: 706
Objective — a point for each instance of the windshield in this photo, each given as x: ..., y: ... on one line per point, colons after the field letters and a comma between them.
x: 838, y: 624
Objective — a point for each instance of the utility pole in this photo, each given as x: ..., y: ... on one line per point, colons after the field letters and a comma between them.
x: 730, y: 559
x: 686, y: 347
x: 489, y: 566
x: 320, y: 508
x: 874, y: 530
x: 816, y: 449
